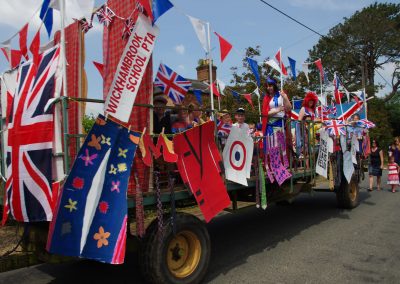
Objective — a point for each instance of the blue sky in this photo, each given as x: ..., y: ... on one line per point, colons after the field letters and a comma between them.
x: 242, y: 22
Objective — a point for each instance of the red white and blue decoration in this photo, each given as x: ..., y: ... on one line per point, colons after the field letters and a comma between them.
x: 91, y: 213
x: 335, y: 127
x: 172, y: 84
x: 105, y: 15
x: 30, y: 142
x: 365, y: 123
x: 223, y: 129
x: 237, y: 156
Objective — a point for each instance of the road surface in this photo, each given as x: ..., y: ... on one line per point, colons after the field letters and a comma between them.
x: 309, y: 241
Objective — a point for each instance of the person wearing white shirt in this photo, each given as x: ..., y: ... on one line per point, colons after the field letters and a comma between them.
x: 240, y: 117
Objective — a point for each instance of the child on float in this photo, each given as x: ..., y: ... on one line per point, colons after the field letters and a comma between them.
x: 393, y: 174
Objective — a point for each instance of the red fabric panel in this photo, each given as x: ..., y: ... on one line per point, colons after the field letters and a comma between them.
x: 199, y: 166
x: 76, y: 85
x: 113, y: 46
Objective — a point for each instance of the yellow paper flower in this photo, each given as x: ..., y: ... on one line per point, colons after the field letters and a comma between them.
x: 122, y: 167
x: 101, y: 237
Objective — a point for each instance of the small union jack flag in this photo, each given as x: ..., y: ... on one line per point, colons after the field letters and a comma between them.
x: 105, y: 15
x: 335, y: 127
x: 128, y: 27
x: 85, y: 25
x: 172, y: 85
x: 223, y: 129
x: 365, y: 123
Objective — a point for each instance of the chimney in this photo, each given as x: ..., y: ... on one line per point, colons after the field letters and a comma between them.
x: 203, y: 71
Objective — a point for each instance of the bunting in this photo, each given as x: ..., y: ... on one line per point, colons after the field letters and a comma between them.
x: 200, y: 28
x: 254, y: 68
x: 248, y: 98
x: 224, y: 46
x: 23, y: 38
x: 160, y: 7
x: 318, y: 63
x: 281, y: 65
x: 292, y: 63
x: 46, y: 15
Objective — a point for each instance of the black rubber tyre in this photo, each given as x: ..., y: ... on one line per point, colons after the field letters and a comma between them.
x: 347, y: 194
x: 181, y: 258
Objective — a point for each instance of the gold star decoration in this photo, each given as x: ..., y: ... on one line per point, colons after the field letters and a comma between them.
x: 113, y: 170
x: 105, y: 140
x: 71, y: 205
x: 122, y: 152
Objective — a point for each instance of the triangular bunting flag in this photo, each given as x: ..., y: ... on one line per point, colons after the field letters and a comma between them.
x: 46, y: 14
x: 197, y: 94
x: 215, y: 90
x: 248, y: 98
x: 254, y: 68
x: 23, y: 36
x: 167, y: 148
x: 306, y: 71
x: 256, y: 92
x: 273, y: 64
x: 34, y: 48
x: 281, y: 65
x: 224, y: 46
x: 236, y: 95
x: 160, y: 7
x: 200, y: 28
x: 100, y: 68
x: 292, y: 63
x: 318, y: 63
x: 14, y: 54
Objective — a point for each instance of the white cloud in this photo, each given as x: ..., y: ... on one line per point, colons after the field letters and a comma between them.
x: 180, y: 49
x: 329, y: 5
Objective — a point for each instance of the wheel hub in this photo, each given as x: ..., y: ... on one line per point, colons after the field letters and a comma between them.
x: 183, y: 254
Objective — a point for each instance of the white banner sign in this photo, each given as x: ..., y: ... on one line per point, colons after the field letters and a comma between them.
x: 348, y: 167
x: 322, y: 160
x: 355, y: 147
x: 130, y: 70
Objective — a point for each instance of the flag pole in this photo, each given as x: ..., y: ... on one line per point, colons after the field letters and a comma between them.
x: 340, y: 99
x: 64, y: 83
x: 210, y: 70
x: 322, y: 106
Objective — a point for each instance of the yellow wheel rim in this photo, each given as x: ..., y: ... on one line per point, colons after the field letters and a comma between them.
x: 353, y: 190
x: 183, y: 255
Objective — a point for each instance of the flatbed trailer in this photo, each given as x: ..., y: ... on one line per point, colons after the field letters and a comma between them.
x: 179, y: 251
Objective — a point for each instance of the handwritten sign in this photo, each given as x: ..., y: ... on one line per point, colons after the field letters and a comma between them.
x: 322, y: 160
x: 280, y: 172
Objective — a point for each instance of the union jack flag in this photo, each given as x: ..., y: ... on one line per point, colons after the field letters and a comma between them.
x: 365, y: 123
x: 128, y: 27
x: 105, y: 15
x: 30, y: 141
x: 85, y: 25
x: 172, y: 84
x: 335, y: 127
x: 350, y: 109
x: 323, y: 111
x: 223, y: 129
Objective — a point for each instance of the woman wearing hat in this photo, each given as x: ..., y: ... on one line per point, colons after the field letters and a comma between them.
x: 274, y: 105
x: 307, y: 112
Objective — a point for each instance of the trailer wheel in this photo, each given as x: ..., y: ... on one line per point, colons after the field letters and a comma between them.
x: 347, y: 194
x: 180, y: 258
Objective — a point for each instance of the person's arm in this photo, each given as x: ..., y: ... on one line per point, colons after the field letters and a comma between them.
x: 275, y: 110
x: 301, y: 114
x: 286, y: 102
x: 381, y: 156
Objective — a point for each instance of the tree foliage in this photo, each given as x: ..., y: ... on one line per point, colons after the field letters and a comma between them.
x: 88, y: 122
x: 369, y: 38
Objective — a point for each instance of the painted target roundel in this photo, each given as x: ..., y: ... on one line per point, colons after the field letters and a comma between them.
x: 237, y: 155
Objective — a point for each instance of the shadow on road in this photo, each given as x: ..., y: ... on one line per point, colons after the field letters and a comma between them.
x: 236, y: 237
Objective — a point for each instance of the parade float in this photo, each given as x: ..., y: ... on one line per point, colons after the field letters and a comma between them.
x: 91, y: 189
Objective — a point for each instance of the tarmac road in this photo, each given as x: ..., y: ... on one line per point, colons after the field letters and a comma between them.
x: 309, y: 241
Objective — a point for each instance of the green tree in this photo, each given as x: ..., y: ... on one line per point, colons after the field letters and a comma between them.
x: 369, y: 38
x: 87, y: 122
x: 379, y: 113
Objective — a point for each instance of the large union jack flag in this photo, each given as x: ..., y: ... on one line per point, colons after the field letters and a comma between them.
x: 335, y: 127
x: 105, y: 15
x: 172, y: 85
x: 30, y: 141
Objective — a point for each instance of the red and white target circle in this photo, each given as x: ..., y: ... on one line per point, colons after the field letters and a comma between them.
x: 237, y: 155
